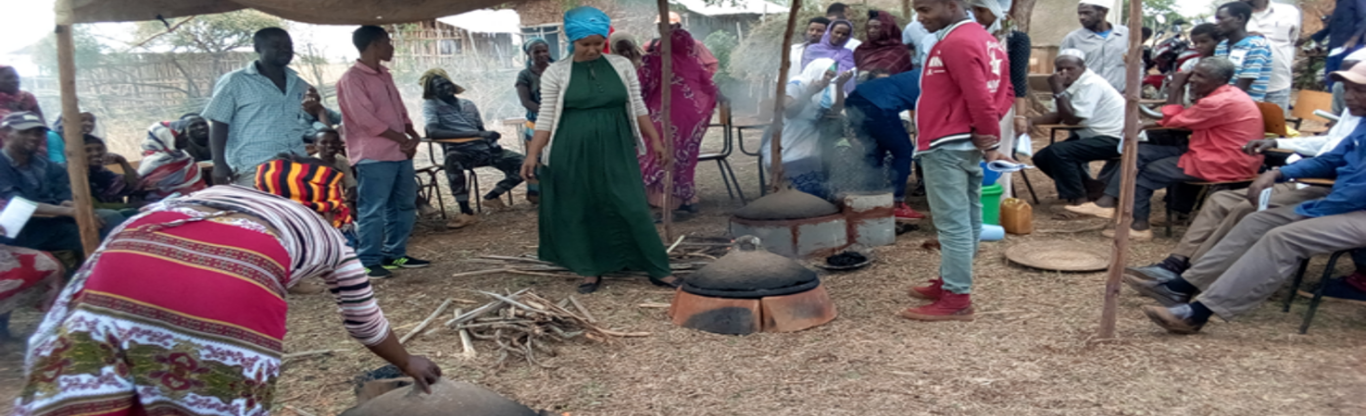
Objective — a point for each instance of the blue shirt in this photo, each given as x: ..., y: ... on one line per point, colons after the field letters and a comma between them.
x: 40, y: 181
x: 56, y: 148
x: 896, y: 93
x: 1251, y: 58
x: 1347, y: 162
x: 264, y: 121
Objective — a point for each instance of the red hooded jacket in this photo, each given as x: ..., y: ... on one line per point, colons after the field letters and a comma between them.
x: 965, y: 87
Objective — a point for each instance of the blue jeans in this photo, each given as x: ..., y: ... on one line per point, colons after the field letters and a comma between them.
x: 953, y: 183
x: 883, y: 129
x: 386, y: 196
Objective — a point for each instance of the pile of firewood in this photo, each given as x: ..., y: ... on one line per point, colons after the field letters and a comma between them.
x: 524, y: 325
x: 683, y: 258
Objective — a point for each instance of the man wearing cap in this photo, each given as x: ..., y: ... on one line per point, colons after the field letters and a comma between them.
x: 1086, y: 100
x: 1103, y: 43
x: 1223, y: 210
x: 708, y: 60
x: 1267, y: 247
x: 25, y: 175
x: 1280, y: 24
x: 1222, y: 121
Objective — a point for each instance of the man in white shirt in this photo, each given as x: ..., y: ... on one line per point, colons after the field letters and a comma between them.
x: 815, y: 29
x: 1086, y: 100
x: 1280, y: 25
x: 1104, y: 44
x: 915, y: 36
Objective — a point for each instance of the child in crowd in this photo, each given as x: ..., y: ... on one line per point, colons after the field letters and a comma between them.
x: 1204, y: 39
x: 331, y: 150
x: 111, y: 190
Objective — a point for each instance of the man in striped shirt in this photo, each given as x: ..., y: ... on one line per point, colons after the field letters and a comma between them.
x: 1250, y: 54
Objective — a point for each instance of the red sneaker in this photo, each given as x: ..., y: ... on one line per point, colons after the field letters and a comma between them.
x: 932, y: 292
x: 904, y: 213
x: 950, y: 307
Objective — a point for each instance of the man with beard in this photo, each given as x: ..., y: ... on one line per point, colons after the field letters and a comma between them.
x: 467, y: 144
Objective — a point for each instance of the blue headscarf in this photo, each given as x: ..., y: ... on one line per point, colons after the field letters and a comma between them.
x: 582, y: 22
x: 528, y: 44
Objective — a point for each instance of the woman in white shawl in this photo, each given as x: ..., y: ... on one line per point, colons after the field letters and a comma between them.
x: 166, y: 169
x: 811, y: 96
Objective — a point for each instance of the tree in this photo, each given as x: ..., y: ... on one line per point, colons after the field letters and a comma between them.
x: 89, y: 51
x: 1151, y: 10
x: 214, y: 36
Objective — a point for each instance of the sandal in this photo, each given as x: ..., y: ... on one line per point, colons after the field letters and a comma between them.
x: 587, y: 287
x: 663, y: 283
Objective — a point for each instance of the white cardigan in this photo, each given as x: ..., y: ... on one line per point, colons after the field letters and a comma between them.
x: 554, y: 84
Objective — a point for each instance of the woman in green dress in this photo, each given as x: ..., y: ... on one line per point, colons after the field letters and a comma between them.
x: 594, y: 218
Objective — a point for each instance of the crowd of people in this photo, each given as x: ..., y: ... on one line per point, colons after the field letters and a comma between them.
x: 305, y: 191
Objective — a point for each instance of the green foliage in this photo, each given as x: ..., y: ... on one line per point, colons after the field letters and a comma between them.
x: 1152, y: 9
x: 212, y: 34
x: 89, y: 50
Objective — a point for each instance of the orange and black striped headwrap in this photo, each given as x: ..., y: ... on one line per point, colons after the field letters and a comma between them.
x: 315, y: 186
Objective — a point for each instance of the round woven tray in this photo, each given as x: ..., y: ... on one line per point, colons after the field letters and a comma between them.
x: 1063, y: 256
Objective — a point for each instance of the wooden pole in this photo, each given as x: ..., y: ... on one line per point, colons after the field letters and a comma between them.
x: 906, y: 9
x: 1125, y: 213
x: 665, y: 123
x: 76, y: 167
x: 776, y: 141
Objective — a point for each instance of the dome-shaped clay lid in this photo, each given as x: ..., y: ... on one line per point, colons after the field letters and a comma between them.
x: 749, y: 271
x: 787, y: 204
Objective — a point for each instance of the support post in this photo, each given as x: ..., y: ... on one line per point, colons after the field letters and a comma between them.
x: 776, y: 141
x: 1129, y: 170
x: 665, y: 122
x: 76, y: 168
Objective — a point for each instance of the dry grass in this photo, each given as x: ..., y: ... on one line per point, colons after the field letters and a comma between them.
x: 1031, y: 351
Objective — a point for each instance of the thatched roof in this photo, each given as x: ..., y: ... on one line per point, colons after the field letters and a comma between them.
x: 337, y: 12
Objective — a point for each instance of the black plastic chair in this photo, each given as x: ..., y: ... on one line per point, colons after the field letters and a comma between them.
x: 727, y: 173
x: 1318, y: 293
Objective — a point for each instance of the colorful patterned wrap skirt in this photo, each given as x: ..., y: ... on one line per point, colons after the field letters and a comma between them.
x: 185, y: 319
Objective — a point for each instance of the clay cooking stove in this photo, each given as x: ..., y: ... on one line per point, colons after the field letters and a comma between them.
x: 751, y: 290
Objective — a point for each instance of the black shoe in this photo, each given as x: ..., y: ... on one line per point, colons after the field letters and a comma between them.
x: 1157, y: 291
x: 586, y: 288
x: 1175, y: 319
x: 406, y: 262
x: 378, y: 272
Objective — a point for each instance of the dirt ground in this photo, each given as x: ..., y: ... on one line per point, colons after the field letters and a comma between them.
x: 1031, y: 351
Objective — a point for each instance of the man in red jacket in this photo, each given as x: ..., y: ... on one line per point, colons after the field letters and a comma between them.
x: 964, y: 81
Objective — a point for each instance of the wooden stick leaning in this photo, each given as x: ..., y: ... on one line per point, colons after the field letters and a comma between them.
x: 425, y: 322
x: 71, y: 124
x: 665, y: 121
x: 776, y: 171
x: 1129, y: 172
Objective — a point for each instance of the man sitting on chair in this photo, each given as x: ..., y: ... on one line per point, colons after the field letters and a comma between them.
x: 1265, y: 248
x: 451, y: 117
x: 1225, y: 209
x: 1086, y: 100
x: 1222, y: 121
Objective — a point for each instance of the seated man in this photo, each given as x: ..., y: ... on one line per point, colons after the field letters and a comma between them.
x: 1086, y: 100
x: 25, y: 175
x: 316, y: 116
x: 1222, y: 121
x: 1267, y: 247
x: 451, y: 117
x: 1225, y: 209
x: 109, y: 189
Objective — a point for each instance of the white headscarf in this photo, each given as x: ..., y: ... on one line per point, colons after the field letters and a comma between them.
x: 997, y: 9
x: 1107, y: 4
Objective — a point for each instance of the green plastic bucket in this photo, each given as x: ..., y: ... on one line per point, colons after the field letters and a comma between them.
x: 991, y: 204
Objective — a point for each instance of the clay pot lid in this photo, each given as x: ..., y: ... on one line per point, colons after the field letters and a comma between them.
x: 749, y: 271
x: 448, y: 397
x: 787, y: 204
